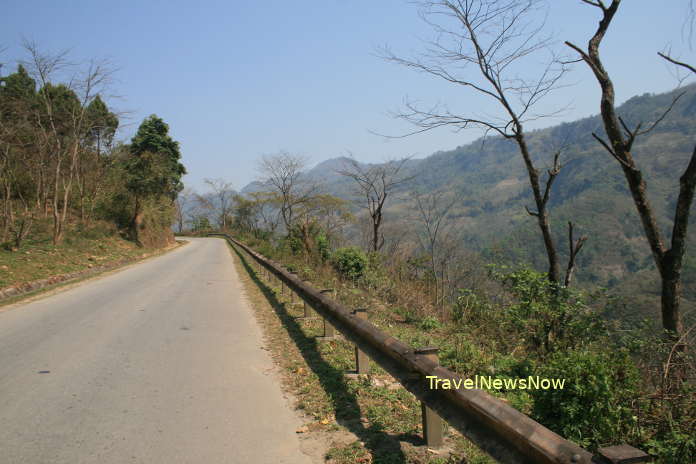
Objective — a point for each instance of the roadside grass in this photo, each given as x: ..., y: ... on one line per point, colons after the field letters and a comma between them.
x: 82, y: 249
x: 383, y: 417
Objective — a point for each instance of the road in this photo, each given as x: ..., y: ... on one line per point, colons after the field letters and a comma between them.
x: 158, y: 363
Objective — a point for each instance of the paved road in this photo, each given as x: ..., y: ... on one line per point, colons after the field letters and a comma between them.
x: 158, y: 363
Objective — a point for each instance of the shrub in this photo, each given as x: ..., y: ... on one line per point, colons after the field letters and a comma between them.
x: 429, y: 323
x: 350, y: 262
x: 594, y: 407
x: 546, y: 316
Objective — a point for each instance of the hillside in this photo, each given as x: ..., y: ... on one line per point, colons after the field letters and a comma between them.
x: 489, y: 178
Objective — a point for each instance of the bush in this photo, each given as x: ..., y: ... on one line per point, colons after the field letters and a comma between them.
x: 350, y: 262
x: 548, y: 317
x: 594, y: 407
x: 429, y: 323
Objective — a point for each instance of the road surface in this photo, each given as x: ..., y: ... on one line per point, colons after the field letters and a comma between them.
x: 158, y: 363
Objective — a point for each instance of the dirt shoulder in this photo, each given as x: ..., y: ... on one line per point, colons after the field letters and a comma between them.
x: 348, y: 419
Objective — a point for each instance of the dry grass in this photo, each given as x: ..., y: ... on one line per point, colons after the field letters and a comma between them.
x: 381, y: 416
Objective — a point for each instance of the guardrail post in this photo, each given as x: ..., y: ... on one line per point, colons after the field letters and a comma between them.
x: 432, y: 423
x: 329, y: 331
x: 362, y: 362
x: 292, y: 294
x: 622, y: 454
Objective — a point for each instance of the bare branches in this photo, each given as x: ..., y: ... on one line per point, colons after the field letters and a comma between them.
x: 676, y: 62
x: 284, y: 173
x: 480, y: 45
x: 485, y: 47
x: 375, y: 182
x: 222, y: 194
x: 574, y: 248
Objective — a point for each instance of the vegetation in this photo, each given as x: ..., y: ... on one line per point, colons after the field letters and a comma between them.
x: 63, y: 176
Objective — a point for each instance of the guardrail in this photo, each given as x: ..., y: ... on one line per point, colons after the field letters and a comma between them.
x: 504, y: 433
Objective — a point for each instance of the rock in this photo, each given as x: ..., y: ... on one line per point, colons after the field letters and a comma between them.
x: 302, y: 429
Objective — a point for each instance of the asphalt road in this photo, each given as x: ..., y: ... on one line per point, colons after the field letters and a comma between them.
x: 158, y: 363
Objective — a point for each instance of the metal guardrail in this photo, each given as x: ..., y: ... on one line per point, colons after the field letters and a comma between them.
x: 504, y: 433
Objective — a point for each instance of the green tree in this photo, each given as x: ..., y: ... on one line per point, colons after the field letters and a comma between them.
x: 153, y: 169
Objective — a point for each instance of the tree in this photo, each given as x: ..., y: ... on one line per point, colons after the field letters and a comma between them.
x: 153, y: 169
x: 375, y: 183
x: 183, y: 206
x: 17, y: 98
x: 222, y: 195
x: 668, y: 259
x: 436, y: 235
x: 495, y: 38
x: 282, y: 172
x: 100, y: 129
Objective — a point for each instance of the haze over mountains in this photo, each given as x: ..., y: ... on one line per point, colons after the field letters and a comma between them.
x: 492, y: 187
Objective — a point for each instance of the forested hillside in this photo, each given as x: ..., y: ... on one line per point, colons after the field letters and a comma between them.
x: 488, y: 185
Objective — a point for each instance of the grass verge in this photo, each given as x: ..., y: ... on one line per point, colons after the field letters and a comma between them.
x: 40, y: 266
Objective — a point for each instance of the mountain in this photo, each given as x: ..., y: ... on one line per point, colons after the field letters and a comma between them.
x: 489, y: 178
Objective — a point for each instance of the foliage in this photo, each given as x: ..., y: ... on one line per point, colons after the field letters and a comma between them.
x: 547, y: 317
x: 153, y: 167
x: 593, y: 408
x: 350, y: 262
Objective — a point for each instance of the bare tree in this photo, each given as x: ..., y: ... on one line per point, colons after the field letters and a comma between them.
x: 495, y: 38
x: 283, y: 172
x: 221, y: 200
x: 621, y: 137
x: 375, y: 182
x: 436, y: 237
x: 183, y: 206
x: 268, y: 210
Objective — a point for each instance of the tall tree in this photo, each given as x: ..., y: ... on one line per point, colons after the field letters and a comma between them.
x: 668, y: 258
x: 153, y: 168
x: 100, y: 129
x: 483, y: 46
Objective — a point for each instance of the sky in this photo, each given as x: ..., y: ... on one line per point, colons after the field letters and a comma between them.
x: 236, y: 80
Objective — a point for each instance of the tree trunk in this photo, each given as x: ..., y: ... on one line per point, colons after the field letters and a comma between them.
x: 541, y: 213
x: 137, y: 222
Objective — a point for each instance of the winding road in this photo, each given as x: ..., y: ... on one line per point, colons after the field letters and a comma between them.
x: 158, y: 363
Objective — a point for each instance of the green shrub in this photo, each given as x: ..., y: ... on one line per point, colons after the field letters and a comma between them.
x: 350, y: 262
x: 429, y: 323
x: 675, y: 445
x: 323, y: 246
x: 594, y: 407
x: 547, y: 317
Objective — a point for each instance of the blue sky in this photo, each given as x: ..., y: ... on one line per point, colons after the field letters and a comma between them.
x: 239, y: 79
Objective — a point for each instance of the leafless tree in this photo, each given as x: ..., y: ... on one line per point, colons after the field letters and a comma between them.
x: 482, y: 45
x: 668, y: 259
x: 436, y: 237
x: 183, y: 206
x: 375, y: 183
x: 283, y: 173
x: 222, y: 194
x: 268, y: 210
